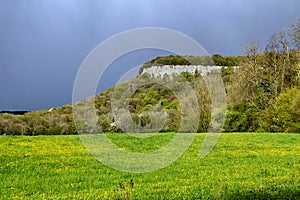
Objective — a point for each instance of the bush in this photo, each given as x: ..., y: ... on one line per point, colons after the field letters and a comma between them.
x: 285, y: 112
x: 244, y: 117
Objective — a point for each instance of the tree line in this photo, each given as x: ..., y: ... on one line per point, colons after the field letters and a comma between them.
x: 263, y: 91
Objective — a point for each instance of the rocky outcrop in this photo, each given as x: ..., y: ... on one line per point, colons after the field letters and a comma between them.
x: 155, y: 71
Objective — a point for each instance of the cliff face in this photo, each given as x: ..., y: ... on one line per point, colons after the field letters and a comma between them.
x: 155, y: 71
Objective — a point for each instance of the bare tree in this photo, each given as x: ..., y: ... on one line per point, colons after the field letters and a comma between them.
x: 284, y: 42
x: 296, y: 41
x: 296, y: 33
x: 272, y: 51
x: 247, y: 76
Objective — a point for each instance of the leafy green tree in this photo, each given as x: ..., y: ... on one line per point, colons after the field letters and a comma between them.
x: 244, y: 117
x: 284, y: 113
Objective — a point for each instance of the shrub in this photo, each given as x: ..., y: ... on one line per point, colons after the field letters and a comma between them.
x: 285, y: 112
x: 244, y: 117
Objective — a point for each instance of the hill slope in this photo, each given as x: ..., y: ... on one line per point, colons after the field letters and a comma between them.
x: 253, y: 103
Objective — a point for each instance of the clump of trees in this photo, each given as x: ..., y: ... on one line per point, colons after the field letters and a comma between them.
x: 151, y: 103
x: 263, y: 89
x: 165, y: 60
x: 145, y: 100
x: 42, y: 122
x: 227, y: 61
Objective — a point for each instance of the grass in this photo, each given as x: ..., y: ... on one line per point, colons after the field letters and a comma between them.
x: 241, y: 166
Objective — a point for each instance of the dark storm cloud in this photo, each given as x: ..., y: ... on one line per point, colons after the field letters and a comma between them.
x: 43, y: 42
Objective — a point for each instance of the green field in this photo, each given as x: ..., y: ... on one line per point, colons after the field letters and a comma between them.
x: 241, y: 166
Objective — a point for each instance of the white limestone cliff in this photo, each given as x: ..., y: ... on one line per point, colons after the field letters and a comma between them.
x: 155, y: 71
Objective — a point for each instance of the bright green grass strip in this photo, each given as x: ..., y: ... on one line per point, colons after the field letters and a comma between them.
x: 241, y: 166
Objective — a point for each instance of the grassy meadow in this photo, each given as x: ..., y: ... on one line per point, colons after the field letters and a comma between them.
x: 241, y: 166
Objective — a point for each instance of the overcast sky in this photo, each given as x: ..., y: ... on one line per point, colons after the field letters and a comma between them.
x: 44, y: 42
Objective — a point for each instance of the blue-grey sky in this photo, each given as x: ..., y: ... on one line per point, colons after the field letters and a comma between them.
x: 44, y: 42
